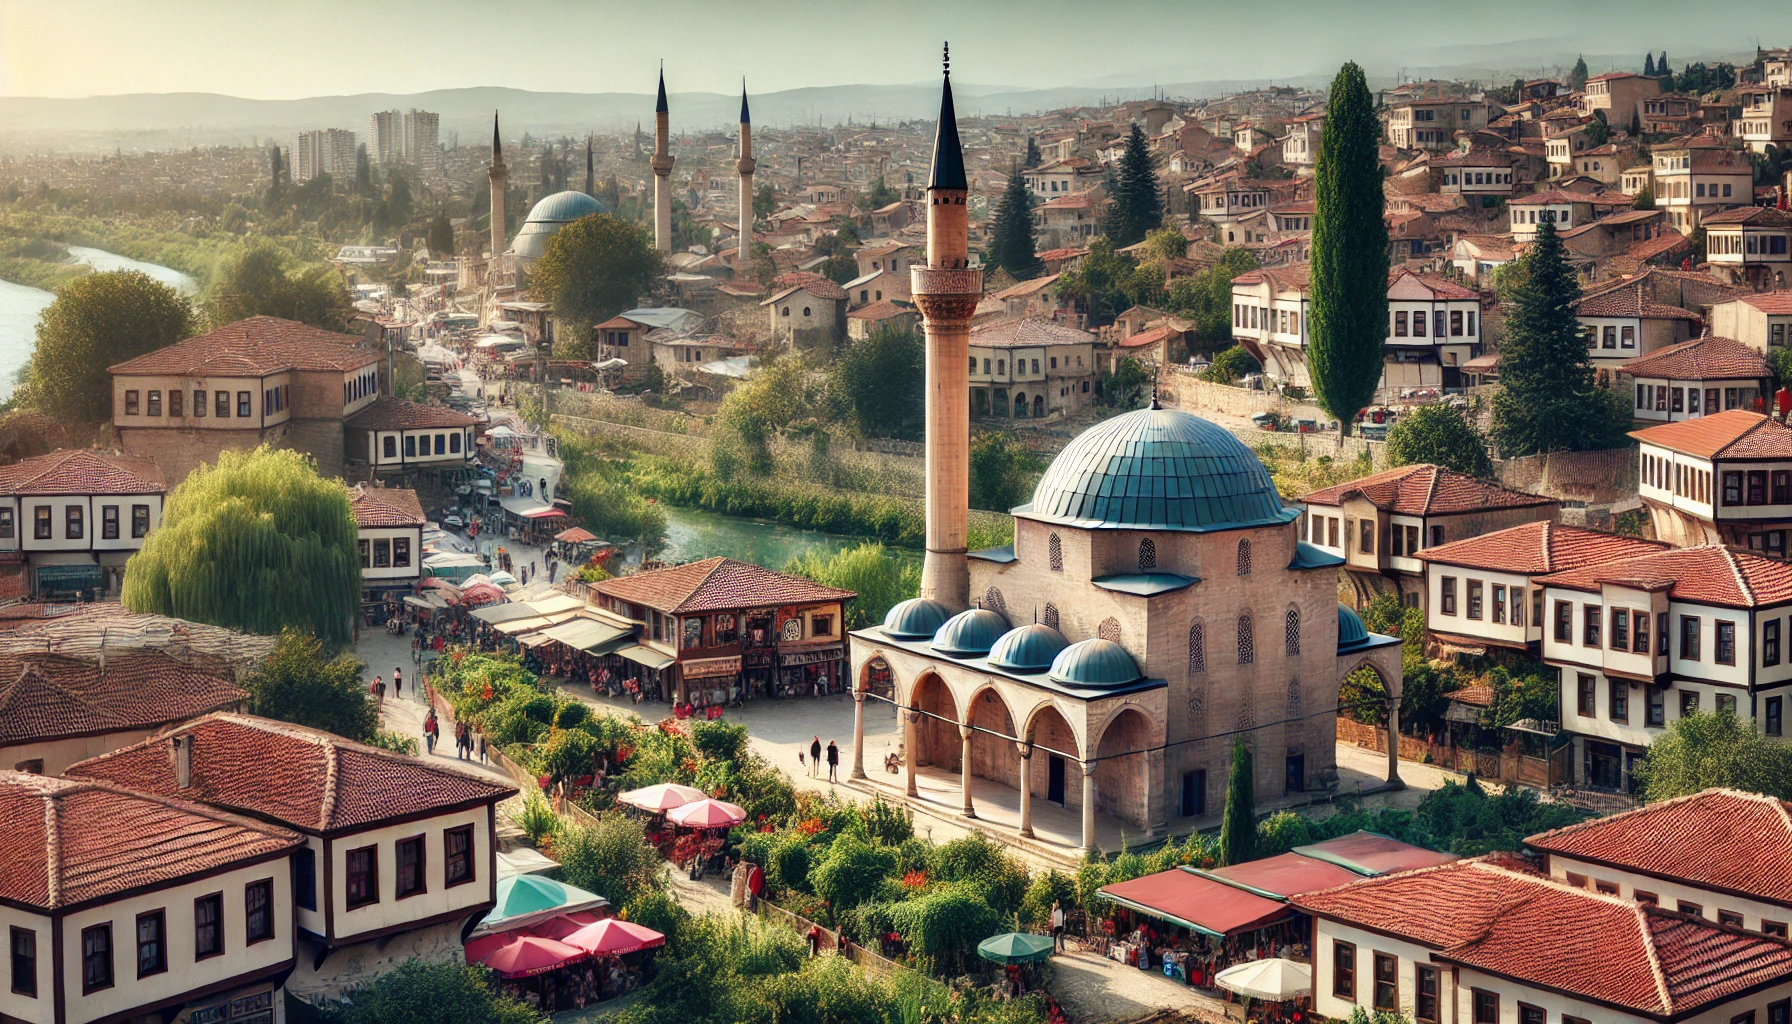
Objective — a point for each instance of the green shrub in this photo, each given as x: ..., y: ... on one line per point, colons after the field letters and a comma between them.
x: 851, y: 872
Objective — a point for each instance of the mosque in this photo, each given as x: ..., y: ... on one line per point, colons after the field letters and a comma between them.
x: 1156, y: 603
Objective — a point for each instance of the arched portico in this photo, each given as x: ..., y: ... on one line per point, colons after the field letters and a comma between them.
x: 1378, y: 662
x: 1122, y: 769
x: 989, y: 752
x: 1050, y: 760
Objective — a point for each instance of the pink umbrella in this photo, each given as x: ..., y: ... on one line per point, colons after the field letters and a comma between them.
x: 563, y: 925
x: 485, y: 945
x: 481, y: 593
x: 531, y: 955
x: 708, y: 813
x: 614, y: 937
x: 660, y: 798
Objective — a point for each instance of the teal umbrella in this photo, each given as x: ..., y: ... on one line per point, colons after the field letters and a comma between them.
x: 1015, y: 948
x: 524, y: 900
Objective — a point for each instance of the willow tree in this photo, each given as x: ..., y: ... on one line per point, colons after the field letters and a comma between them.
x: 258, y: 542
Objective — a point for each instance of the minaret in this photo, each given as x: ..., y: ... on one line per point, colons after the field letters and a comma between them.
x: 947, y: 291
x: 745, y: 166
x: 498, y: 176
x: 662, y: 171
x: 590, y: 171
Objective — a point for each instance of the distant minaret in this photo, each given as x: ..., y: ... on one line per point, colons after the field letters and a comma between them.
x: 662, y: 171
x: 745, y: 166
x: 498, y: 177
x: 947, y: 291
x: 590, y: 171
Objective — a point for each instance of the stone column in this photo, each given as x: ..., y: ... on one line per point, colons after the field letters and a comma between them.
x: 1026, y: 789
x: 965, y: 732
x: 858, y: 734
x: 1394, y: 780
x: 1088, y: 807
x: 909, y: 747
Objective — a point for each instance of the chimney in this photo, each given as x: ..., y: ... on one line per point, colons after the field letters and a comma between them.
x: 183, y: 761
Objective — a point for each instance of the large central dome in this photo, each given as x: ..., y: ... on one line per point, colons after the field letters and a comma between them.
x: 1157, y: 469
x: 549, y: 216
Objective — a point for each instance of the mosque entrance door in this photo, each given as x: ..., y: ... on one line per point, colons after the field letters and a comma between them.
x: 1054, y: 779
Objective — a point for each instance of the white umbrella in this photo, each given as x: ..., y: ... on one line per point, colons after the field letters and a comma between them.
x: 1274, y: 979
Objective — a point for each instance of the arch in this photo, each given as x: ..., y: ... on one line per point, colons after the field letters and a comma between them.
x: 1197, y: 647
x: 1244, y: 557
x: 1054, y: 552
x: 1109, y: 629
x: 1020, y: 405
x: 993, y: 755
x: 1051, y: 736
x: 936, y: 732
x: 1291, y: 632
x: 1038, y: 406
x: 1122, y: 784
x: 1247, y: 640
x: 877, y: 677
x: 1147, y: 554
x: 1050, y: 617
x: 992, y: 599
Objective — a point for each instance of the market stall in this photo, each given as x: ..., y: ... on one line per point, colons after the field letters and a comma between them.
x: 1192, y: 927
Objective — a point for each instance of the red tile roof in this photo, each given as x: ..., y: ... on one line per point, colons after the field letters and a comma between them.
x: 1627, y: 300
x: 1731, y: 434
x: 1719, y: 839
x: 1770, y: 302
x: 78, y: 471
x: 807, y: 280
x: 69, y: 841
x: 255, y: 347
x: 389, y: 413
x: 1706, y: 575
x: 1707, y: 358
x: 883, y: 309
x: 49, y: 696
x: 1150, y: 337
x: 386, y: 506
x: 1025, y: 331
x: 717, y: 584
x: 308, y: 779
x: 1538, y: 548
x: 1051, y: 255
x: 1026, y: 288
x: 1752, y: 216
x: 1426, y: 490
x: 1410, y: 285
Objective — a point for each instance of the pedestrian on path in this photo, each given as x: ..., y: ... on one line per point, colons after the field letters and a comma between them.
x: 1057, y: 926
x: 833, y: 762
x: 460, y: 740
x: 431, y: 728
x: 379, y: 690
x: 482, y: 759
x: 398, y: 681
x: 814, y: 756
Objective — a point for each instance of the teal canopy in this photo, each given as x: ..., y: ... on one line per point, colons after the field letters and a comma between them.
x: 524, y: 900
x: 1015, y: 948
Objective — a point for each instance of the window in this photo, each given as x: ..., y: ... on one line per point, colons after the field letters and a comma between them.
x: 1589, y: 625
x: 454, y: 444
x: 1499, y: 603
x: 1647, y: 899
x: 401, y: 552
x: 1387, y: 982
x: 1689, y: 638
x: 410, y: 446
x: 821, y: 625
x: 363, y: 876
x: 1147, y: 554
x: 152, y: 943
x: 1770, y: 642
x: 1778, y: 930
x: 1474, y: 599
x: 365, y: 547
x: 1620, y: 629
x: 1586, y: 705
x: 1571, y: 1019
x: 6, y: 523
x: 1730, y: 918
x: 1620, y: 700
x: 1425, y: 1007
x: 1486, y: 1007
x: 304, y: 877
x: 244, y: 406
x: 1657, y: 714
x: 132, y: 403
x: 75, y: 520
x: 410, y: 867
x: 1564, y: 622
x: 1732, y: 488
x: 1689, y: 703
x: 457, y: 850
x: 222, y: 404
x: 441, y: 445
x: 198, y: 403
x: 1054, y: 552
x: 41, y: 528
x: 382, y: 554
x: 155, y: 403
x: 1366, y: 536
x: 1689, y: 908
x: 1344, y: 970
x: 1437, y: 537
x: 108, y: 522
x: 1247, y: 646
x: 1775, y: 716
x: 1291, y: 632
x: 1244, y: 558
x: 389, y: 447
x: 1726, y: 642
x: 258, y: 910
x: 1639, y: 642
x: 208, y: 926
x: 1528, y: 1014
x: 96, y: 958
x: 1725, y: 702
x: 1757, y: 487
x: 24, y: 962
x: 1603, y: 886
x: 1331, y: 532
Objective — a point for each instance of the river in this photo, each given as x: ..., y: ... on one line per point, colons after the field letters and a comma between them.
x: 692, y: 534
x: 20, y: 306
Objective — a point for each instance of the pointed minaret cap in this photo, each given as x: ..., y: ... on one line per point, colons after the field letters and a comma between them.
x: 497, y: 145
x: 948, y: 155
x: 745, y: 118
x: 660, y: 107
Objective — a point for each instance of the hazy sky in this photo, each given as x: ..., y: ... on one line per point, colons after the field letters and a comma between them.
x: 278, y: 50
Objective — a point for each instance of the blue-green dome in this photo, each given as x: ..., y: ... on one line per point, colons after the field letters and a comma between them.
x: 1351, y: 631
x: 970, y: 632
x: 1094, y: 663
x: 915, y: 619
x: 1027, y: 649
x: 550, y: 215
x: 1157, y: 469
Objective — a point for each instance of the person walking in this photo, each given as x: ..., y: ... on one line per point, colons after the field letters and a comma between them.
x: 398, y: 681
x: 814, y: 756
x: 482, y: 759
x: 1057, y: 926
x: 379, y: 690
x: 460, y: 740
x: 833, y: 762
x: 431, y: 729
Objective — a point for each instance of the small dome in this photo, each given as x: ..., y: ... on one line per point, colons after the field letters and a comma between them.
x: 1094, y: 663
x: 915, y: 619
x: 970, y: 632
x: 1157, y: 469
x: 1028, y: 649
x: 1351, y: 631
x: 550, y: 215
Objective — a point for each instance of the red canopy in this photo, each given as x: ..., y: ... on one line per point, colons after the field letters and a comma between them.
x: 531, y: 955
x: 1288, y: 874
x: 708, y: 813
x: 576, y: 535
x: 1185, y: 898
x: 561, y: 926
x: 614, y: 937
x: 1371, y: 853
x: 481, y: 593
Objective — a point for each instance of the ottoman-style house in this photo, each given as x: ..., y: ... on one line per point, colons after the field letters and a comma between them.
x: 1156, y: 603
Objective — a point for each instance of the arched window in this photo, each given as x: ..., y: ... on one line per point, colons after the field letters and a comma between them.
x: 1147, y: 554
x: 1291, y: 632
x: 1197, y: 648
x: 992, y: 599
x: 1293, y: 699
x: 1197, y: 710
x: 1054, y: 552
x: 1051, y: 615
x: 1109, y: 629
x: 1244, y: 558
x: 1247, y: 643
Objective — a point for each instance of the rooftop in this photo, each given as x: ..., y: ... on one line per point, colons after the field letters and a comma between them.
x: 79, y: 471
x: 388, y: 413
x: 1707, y: 358
x: 1426, y: 490
x: 1626, y: 300
x: 52, y: 696
x: 717, y: 584
x: 1027, y: 331
x: 1711, y: 575
x: 386, y: 506
x: 255, y: 347
x: 1731, y: 434
x: 1534, y: 548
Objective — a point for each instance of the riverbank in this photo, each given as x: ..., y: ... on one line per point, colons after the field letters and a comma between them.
x: 164, y: 241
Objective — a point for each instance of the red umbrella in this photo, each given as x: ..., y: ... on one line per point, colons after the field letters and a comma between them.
x: 614, y: 937
x: 661, y: 797
x: 485, y: 945
x: 481, y: 593
x: 563, y: 925
x: 531, y: 955
x: 708, y: 813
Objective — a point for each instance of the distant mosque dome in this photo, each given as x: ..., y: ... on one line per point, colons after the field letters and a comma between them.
x: 1029, y: 649
x: 1157, y: 469
x: 970, y: 632
x: 549, y: 216
x: 1096, y: 664
x: 915, y: 619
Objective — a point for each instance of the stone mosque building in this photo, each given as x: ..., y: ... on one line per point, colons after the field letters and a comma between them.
x: 1156, y: 603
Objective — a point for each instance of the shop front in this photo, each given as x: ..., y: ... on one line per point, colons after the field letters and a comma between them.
x: 69, y: 577
x: 1190, y: 927
x: 812, y: 671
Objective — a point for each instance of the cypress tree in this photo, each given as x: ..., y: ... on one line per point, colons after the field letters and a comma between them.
x: 1548, y: 398
x: 1011, y: 237
x: 1577, y: 79
x: 1349, y: 321
x: 1138, y: 203
x: 1649, y: 64
x: 1238, y: 828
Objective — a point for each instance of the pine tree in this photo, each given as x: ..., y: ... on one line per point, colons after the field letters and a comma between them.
x: 1138, y: 202
x: 1238, y: 828
x: 274, y: 189
x: 1661, y: 66
x: 1349, y: 320
x: 1033, y: 155
x: 441, y: 236
x: 1577, y: 79
x: 1548, y: 399
x: 363, y: 172
x: 1649, y: 64
x: 1011, y: 238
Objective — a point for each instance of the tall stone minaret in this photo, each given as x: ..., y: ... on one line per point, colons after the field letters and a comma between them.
x: 745, y: 166
x: 947, y: 291
x: 590, y: 171
x: 498, y: 177
x: 662, y: 171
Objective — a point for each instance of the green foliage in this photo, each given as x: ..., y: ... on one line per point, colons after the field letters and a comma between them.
x: 1046, y: 888
x: 872, y: 571
x: 1439, y: 434
x: 944, y: 925
x: 259, y: 543
x: 764, y: 202
x: 1577, y: 78
x: 1548, y: 399
x: 604, y: 499
x: 302, y: 684
x: 1281, y: 832
x: 983, y: 867
x: 1011, y: 237
x: 1238, y: 826
x: 720, y: 741
x: 788, y: 867
x: 1230, y: 365
x: 593, y: 269
x: 886, y: 823
x: 428, y: 992
x: 1128, y: 386
x: 1349, y: 318
x: 537, y: 818
x: 881, y: 382
x: 570, y: 753
x: 610, y: 858
x: 1705, y: 750
x: 885, y: 518
x: 770, y: 403
x: 98, y: 320
x: 265, y: 281
x: 441, y: 236
x: 1137, y: 203
x: 1099, y: 286
x: 880, y: 195
x: 1206, y: 299
x: 852, y: 872
x: 1002, y: 471
x: 1471, y: 823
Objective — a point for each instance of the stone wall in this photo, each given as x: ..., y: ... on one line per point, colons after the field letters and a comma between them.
x: 1596, y: 478
x: 178, y: 452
